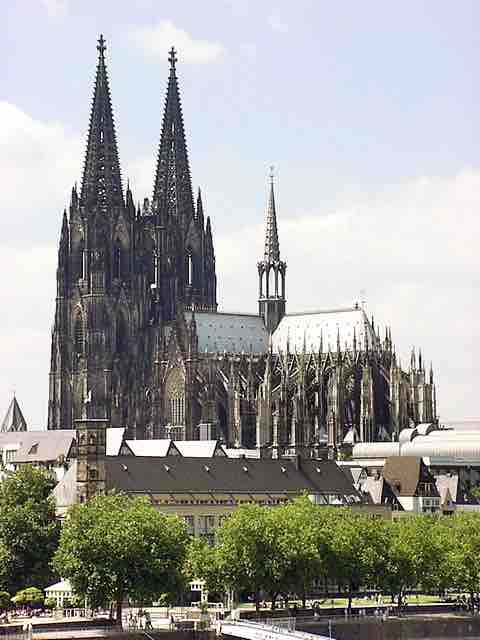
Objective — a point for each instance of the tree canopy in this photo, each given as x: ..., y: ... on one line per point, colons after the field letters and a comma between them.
x: 29, y: 531
x: 115, y: 546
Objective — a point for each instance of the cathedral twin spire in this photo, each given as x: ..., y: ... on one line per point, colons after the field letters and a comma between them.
x: 172, y: 192
x: 102, y: 181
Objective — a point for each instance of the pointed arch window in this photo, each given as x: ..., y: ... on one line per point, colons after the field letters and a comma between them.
x: 118, y: 261
x: 78, y: 334
x: 79, y: 267
x: 189, y: 268
x: 175, y: 395
x: 121, y: 341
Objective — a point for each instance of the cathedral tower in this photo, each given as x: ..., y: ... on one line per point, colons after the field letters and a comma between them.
x: 185, y: 269
x: 96, y: 318
x: 271, y: 271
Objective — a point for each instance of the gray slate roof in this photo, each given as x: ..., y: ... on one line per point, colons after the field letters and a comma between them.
x: 225, y: 475
x: 313, y: 328
x: 39, y: 446
x: 230, y: 332
x: 13, y: 420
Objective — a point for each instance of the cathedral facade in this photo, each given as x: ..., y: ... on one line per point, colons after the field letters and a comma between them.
x: 138, y: 340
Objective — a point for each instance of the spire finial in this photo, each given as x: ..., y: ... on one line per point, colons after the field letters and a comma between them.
x: 172, y: 58
x: 101, y: 46
x: 271, y: 174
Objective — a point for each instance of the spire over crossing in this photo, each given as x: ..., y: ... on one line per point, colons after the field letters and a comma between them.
x: 272, y: 247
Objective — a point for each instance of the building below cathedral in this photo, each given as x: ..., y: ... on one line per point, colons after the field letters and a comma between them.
x: 138, y: 340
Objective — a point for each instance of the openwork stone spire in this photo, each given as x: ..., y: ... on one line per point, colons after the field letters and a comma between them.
x: 271, y: 270
x: 272, y: 248
x: 102, y: 182
x: 172, y: 192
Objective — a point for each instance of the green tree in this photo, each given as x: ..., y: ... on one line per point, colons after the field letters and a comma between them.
x: 301, y: 546
x: 357, y: 549
x: 203, y: 562
x: 5, y: 600
x: 463, y: 552
x: 260, y: 549
x: 29, y: 597
x: 29, y: 531
x: 115, y: 546
x: 246, y: 556
x: 412, y: 556
x: 50, y: 603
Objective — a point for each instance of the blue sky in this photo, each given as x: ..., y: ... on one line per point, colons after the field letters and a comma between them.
x: 368, y: 110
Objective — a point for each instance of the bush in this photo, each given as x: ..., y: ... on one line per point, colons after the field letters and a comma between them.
x: 50, y: 603
x: 5, y: 600
x: 29, y: 597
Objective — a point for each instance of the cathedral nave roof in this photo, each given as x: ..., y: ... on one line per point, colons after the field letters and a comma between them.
x: 231, y: 332
x: 322, y: 329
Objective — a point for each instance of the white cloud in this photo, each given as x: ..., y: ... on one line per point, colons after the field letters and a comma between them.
x: 414, y: 248
x: 415, y: 251
x: 159, y: 38
x: 55, y: 8
x: 28, y: 293
x: 37, y: 160
x: 277, y: 24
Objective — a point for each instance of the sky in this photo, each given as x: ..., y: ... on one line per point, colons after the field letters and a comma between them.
x: 369, y: 112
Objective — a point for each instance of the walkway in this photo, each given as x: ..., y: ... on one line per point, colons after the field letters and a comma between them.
x: 257, y: 631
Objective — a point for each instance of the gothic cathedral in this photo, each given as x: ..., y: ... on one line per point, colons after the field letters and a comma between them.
x: 138, y: 341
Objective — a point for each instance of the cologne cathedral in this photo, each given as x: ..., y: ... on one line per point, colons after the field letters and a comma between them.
x: 138, y: 340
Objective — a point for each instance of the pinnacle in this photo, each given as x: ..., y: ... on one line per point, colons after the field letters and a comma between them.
x: 102, y: 182
x: 14, y: 420
x: 272, y: 247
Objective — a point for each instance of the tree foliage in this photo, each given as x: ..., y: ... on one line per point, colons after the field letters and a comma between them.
x: 29, y: 597
x: 115, y: 546
x: 5, y: 599
x: 29, y: 531
x: 282, y: 550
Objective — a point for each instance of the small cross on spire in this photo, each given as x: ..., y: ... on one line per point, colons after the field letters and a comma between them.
x: 172, y: 57
x: 101, y: 46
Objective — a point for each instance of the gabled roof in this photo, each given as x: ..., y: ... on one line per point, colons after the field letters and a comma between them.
x: 405, y: 473
x: 380, y: 491
x: 115, y: 436
x: 200, y: 448
x: 40, y: 446
x: 322, y: 330
x: 153, y: 448
x: 177, y: 475
x: 63, y: 585
x: 14, y: 420
x: 230, y: 332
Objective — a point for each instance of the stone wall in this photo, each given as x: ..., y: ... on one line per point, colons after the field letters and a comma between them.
x: 433, y: 628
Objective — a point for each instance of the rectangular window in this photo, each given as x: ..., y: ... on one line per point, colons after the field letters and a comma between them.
x: 10, y: 455
x: 190, y: 522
